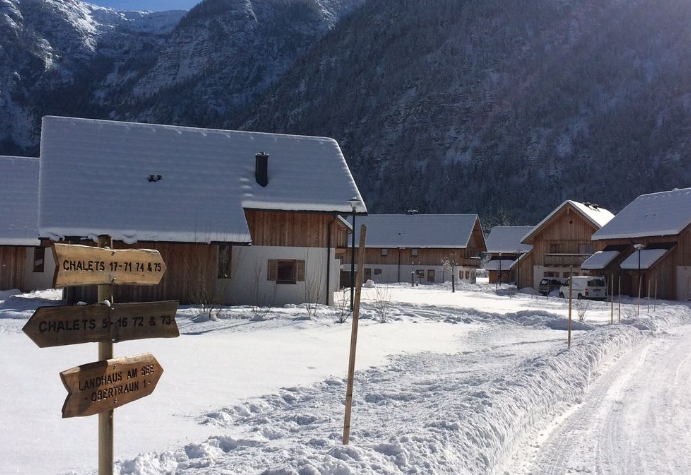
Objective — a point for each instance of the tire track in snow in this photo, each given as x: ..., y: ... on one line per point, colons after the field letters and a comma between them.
x: 635, y: 419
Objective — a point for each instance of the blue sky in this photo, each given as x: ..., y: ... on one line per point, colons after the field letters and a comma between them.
x: 155, y: 5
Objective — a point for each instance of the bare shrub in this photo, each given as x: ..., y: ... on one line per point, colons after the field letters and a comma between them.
x: 582, y: 307
x: 342, y: 304
x: 382, y: 302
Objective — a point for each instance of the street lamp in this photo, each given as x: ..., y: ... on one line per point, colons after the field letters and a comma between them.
x: 353, y: 204
x: 638, y: 247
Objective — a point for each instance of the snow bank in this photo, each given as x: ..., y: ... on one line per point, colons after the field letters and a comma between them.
x: 422, y: 414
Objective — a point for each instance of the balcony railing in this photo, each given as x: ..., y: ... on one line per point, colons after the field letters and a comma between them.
x: 565, y: 259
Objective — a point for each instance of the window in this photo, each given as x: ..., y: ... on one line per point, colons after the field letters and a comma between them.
x: 565, y: 274
x: 286, y: 271
x: 467, y: 275
x: 585, y: 248
x: 553, y: 274
x: 430, y: 275
x: 413, y: 252
x: 368, y: 273
x: 384, y: 252
x: 420, y: 274
x: 225, y: 251
x: 554, y: 248
x: 377, y: 271
x: 39, y: 258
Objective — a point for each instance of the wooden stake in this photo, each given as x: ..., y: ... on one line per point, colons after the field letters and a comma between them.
x: 619, y: 299
x: 570, y: 294
x: 648, y: 295
x: 353, y: 334
x: 611, y: 312
x: 105, y: 352
x: 655, y: 298
x: 640, y: 284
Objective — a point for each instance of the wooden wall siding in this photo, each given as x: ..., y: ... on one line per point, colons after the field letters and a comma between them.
x: 425, y: 257
x: 524, y: 271
x: 190, y: 272
x: 665, y: 271
x: 567, y: 229
x: 294, y: 229
x: 12, y: 267
x: 476, y: 243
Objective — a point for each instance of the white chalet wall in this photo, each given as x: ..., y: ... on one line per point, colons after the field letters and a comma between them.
x: 248, y: 284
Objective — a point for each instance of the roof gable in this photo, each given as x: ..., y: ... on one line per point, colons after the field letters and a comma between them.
x: 418, y: 230
x: 95, y: 179
x: 596, y: 216
x: 507, y: 239
x: 19, y: 198
x: 656, y: 214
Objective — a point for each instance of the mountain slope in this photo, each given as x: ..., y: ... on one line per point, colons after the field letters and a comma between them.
x: 504, y: 108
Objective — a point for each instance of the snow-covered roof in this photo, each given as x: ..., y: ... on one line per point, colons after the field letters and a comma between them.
x: 648, y: 258
x: 508, y: 239
x: 19, y: 201
x: 102, y: 177
x: 599, y: 260
x: 657, y: 214
x: 597, y: 216
x: 417, y: 230
x: 506, y: 264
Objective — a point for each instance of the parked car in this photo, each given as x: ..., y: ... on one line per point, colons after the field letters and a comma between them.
x: 547, y: 285
x: 585, y: 287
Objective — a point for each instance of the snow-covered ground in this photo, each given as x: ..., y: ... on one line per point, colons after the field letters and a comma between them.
x: 468, y: 382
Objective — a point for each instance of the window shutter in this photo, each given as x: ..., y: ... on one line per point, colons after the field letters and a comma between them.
x: 272, y: 270
x: 300, y: 271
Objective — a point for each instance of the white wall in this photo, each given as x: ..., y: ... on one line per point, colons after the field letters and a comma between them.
x: 248, y: 284
x: 38, y: 280
x: 684, y: 283
x: 390, y: 273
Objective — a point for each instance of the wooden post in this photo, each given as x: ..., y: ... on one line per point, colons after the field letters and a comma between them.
x: 640, y: 284
x: 353, y: 334
x: 648, y: 295
x: 655, y: 298
x: 105, y: 352
x: 570, y: 293
x: 611, y: 312
x: 619, y: 299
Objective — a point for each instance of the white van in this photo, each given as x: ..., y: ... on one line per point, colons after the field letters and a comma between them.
x: 585, y: 287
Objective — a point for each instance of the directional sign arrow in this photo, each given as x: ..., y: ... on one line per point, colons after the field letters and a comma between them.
x: 86, y: 265
x: 72, y: 324
x: 104, y: 385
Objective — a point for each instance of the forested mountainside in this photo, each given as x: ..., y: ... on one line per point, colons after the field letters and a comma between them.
x: 500, y: 107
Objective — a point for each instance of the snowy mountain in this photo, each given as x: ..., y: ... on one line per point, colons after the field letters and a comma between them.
x: 200, y: 68
x: 47, y: 47
x: 505, y: 109
x: 502, y: 108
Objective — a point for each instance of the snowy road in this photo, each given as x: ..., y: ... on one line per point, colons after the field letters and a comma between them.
x: 636, y: 418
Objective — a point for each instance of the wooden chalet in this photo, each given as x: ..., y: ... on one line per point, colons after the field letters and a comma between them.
x: 647, y: 246
x: 561, y: 242
x: 24, y: 264
x: 238, y: 217
x: 424, y: 248
x: 504, y: 249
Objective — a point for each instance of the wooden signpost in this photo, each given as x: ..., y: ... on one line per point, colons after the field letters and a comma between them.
x: 73, y: 324
x: 104, y: 385
x: 86, y: 265
x: 100, y: 387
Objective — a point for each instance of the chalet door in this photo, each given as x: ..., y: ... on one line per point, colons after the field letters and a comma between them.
x: 368, y: 273
x: 430, y: 275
